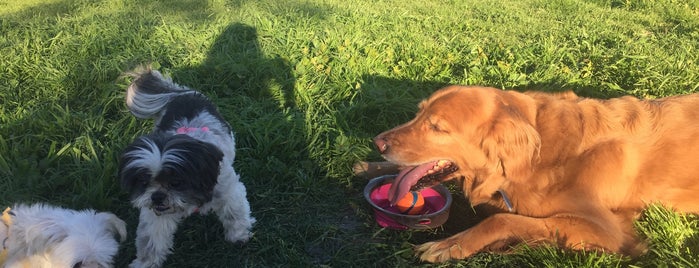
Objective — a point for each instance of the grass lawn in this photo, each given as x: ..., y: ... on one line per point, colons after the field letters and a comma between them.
x: 306, y: 84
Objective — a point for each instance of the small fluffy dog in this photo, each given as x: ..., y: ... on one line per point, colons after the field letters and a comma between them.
x: 184, y: 166
x: 41, y: 235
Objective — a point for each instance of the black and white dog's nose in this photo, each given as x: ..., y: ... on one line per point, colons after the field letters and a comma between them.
x: 158, y: 197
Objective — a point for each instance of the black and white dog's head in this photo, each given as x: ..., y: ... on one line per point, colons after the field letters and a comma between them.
x: 170, y: 173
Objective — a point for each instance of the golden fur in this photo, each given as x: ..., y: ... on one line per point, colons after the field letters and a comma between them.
x: 577, y: 170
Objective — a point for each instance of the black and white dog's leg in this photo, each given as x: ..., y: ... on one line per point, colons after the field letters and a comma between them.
x: 233, y: 209
x: 154, y: 238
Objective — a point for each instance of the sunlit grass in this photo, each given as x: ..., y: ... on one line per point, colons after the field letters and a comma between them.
x: 306, y: 84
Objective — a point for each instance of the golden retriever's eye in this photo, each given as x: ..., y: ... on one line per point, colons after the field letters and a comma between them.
x: 435, y: 126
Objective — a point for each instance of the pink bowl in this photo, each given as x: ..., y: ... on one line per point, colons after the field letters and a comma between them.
x: 436, y: 212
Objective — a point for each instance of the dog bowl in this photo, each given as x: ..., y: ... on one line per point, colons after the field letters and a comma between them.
x: 437, y: 203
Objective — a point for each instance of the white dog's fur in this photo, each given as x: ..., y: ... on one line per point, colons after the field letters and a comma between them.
x: 44, y: 236
x: 166, y: 163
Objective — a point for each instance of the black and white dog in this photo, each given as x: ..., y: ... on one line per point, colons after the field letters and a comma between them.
x: 184, y: 166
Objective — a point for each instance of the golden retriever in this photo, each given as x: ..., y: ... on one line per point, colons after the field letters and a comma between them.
x: 564, y: 170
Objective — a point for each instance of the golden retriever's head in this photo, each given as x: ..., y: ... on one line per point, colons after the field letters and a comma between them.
x: 485, y: 135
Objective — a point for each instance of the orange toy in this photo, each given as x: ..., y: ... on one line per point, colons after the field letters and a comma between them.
x: 412, y: 203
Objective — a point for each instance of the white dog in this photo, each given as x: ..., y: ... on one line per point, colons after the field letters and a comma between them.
x: 44, y: 236
x: 184, y: 166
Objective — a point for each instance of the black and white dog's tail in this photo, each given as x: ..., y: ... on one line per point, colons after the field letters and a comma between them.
x: 150, y: 92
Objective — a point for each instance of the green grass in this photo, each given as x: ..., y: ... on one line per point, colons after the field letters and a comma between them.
x: 306, y: 84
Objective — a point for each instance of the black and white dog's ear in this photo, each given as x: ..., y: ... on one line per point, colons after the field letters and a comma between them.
x: 200, y: 161
x: 188, y: 157
x: 136, y: 162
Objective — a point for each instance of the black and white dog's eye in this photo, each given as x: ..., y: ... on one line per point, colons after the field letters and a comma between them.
x: 78, y: 265
x: 176, y: 184
x: 144, y: 180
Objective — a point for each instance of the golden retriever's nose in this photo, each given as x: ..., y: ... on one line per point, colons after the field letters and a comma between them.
x: 381, y: 143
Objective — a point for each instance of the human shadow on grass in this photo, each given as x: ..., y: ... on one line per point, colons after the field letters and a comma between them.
x: 255, y: 94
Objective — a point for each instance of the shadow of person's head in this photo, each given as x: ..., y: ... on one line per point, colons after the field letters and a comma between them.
x: 235, y: 65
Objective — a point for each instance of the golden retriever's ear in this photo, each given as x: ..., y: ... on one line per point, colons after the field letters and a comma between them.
x: 512, y: 142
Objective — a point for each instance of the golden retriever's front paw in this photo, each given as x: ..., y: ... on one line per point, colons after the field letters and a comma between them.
x: 442, y: 251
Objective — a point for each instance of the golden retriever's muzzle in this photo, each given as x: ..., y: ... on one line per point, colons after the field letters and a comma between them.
x: 381, y: 143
